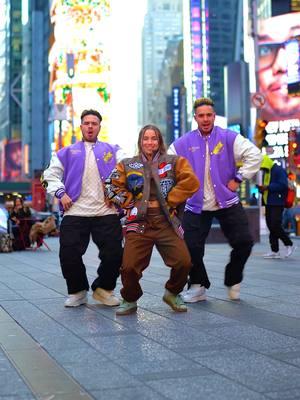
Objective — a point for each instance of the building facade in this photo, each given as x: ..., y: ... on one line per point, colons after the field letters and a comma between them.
x: 163, y: 21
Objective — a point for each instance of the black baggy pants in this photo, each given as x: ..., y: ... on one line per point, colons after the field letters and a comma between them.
x: 234, y: 224
x: 274, y: 224
x: 75, y: 235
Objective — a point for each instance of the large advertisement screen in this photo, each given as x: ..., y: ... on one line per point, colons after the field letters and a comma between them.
x: 80, y: 63
x: 275, y: 36
x: 11, y: 160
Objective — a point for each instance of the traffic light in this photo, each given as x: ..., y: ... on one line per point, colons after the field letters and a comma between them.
x: 70, y: 65
x: 260, y: 133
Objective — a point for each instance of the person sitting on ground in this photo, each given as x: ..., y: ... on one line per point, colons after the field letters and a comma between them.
x: 20, y: 224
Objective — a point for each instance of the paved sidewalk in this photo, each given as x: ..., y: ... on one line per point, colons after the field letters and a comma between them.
x: 218, y: 350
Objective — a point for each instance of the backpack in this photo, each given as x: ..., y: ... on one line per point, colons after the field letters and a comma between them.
x: 6, y: 243
x: 291, y: 195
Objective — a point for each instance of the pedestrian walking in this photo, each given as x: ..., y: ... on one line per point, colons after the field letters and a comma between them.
x: 151, y: 186
x: 213, y: 153
x: 75, y: 176
x: 274, y: 191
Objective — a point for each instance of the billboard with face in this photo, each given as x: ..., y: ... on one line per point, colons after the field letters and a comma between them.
x: 274, y: 48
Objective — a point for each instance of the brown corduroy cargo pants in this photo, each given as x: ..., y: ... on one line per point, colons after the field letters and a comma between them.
x: 137, y: 254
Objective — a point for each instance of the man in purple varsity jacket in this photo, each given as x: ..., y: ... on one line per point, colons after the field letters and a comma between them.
x: 213, y: 153
x: 75, y: 176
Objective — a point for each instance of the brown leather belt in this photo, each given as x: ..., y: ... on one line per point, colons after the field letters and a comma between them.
x: 153, y: 203
x: 154, y: 211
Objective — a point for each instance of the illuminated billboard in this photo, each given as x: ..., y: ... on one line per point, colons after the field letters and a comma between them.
x: 11, y: 160
x: 199, y: 47
x: 293, y: 66
x: 80, y: 63
x: 278, y: 64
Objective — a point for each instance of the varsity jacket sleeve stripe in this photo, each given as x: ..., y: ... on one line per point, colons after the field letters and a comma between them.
x: 187, y: 183
x: 52, y: 178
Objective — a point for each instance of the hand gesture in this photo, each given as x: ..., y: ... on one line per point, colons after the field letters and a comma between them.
x: 66, y: 202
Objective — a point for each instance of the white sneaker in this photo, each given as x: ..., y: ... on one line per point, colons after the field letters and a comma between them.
x: 234, y: 292
x: 289, y: 250
x: 106, y: 297
x: 76, y: 299
x: 272, y: 254
x: 194, y: 294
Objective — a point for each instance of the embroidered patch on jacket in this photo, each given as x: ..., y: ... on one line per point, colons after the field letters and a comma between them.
x: 114, y: 174
x: 163, y: 168
x: 135, y: 182
x: 75, y: 151
x: 194, y: 148
x: 135, y: 165
x: 166, y: 185
x: 107, y: 156
x: 218, y: 147
x: 133, y: 214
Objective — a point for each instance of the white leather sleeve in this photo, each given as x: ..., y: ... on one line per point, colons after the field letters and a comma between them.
x: 52, y: 176
x: 246, y: 152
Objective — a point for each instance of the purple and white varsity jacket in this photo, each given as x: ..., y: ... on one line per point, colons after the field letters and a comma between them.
x: 64, y: 175
x: 223, y: 159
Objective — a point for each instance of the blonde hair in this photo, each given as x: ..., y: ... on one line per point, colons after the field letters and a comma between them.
x: 203, y: 101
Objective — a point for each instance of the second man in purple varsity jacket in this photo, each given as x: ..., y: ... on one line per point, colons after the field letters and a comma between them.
x: 214, y: 154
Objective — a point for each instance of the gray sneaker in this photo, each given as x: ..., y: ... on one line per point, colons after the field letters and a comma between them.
x: 289, y: 250
x: 76, y: 299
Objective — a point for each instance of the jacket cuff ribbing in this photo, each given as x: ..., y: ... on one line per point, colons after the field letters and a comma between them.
x: 59, y: 193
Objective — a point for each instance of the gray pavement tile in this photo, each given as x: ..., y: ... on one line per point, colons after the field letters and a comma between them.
x: 11, y: 384
x: 291, y: 356
x: 287, y: 298
x: 19, y: 396
x: 208, y: 387
x: 199, y: 319
x: 168, y: 368
x: 82, y: 321
x: 179, y: 336
x: 289, y: 310
x: 140, y: 392
x: 8, y: 295
x: 83, y: 355
x: 102, y: 374
x: 131, y: 347
x: 41, y: 293
x: 243, y: 312
x: 292, y: 394
x: 254, y: 338
x: 255, y: 371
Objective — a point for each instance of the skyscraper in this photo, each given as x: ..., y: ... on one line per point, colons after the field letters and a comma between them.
x: 162, y: 21
x: 35, y: 83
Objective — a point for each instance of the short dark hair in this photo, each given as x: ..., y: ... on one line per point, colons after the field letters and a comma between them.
x: 203, y: 101
x: 161, y: 146
x: 90, y: 112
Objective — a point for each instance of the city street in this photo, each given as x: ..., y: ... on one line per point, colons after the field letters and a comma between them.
x: 218, y: 350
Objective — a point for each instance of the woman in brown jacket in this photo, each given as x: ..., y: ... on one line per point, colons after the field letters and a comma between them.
x: 151, y: 187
